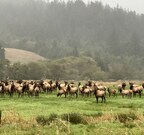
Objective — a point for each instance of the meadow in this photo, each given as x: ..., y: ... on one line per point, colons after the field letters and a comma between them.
x: 52, y: 115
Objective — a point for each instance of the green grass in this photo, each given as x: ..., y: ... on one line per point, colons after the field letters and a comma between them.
x: 19, y: 115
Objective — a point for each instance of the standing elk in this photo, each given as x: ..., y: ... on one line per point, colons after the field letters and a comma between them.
x: 86, y: 90
x: 136, y: 89
x: 121, y: 87
x: 99, y: 93
x: 127, y: 93
x: 8, y: 88
x: 72, y: 90
x: 2, y: 88
x: 62, y: 91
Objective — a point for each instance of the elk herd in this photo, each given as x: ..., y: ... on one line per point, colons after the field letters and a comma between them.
x: 71, y: 88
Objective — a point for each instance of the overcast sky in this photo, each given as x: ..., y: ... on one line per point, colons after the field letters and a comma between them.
x: 134, y: 5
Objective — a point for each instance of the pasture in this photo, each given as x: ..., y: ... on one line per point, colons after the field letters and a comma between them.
x: 46, y: 115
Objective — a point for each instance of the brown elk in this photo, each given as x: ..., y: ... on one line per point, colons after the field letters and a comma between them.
x: 86, y: 90
x: 62, y: 91
x: 80, y: 87
x: 19, y: 89
x: 36, y: 89
x: 8, y: 88
x: 2, y: 89
x: 121, y: 87
x: 127, y: 93
x: 99, y: 93
x: 72, y: 90
x: 31, y: 88
x: 112, y: 92
x: 136, y: 89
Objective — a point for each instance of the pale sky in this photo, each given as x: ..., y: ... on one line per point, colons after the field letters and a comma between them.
x: 134, y: 5
x: 131, y: 5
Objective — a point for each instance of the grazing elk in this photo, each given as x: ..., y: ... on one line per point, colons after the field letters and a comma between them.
x: 112, y: 92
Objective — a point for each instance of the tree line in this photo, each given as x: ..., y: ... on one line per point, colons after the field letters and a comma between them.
x: 68, y: 68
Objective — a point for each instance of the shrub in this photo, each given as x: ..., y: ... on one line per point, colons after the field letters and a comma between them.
x: 44, y: 120
x: 74, y: 118
x: 124, y: 117
x: 52, y: 116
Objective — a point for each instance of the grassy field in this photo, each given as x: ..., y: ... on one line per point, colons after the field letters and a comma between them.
x: 51, y: 115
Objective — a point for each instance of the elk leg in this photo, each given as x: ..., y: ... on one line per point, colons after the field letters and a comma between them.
x: 76, y: 94
x: 140, y: 94
x: 104, y: 99
x: 97, y: 99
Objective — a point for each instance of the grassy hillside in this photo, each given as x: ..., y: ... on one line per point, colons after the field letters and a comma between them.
x: 17, y: 55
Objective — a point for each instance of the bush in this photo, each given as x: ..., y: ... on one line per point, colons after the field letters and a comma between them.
x: 52, y: 116
x: 44, y: 120
x: 74, y: 118
x: 124, y: 117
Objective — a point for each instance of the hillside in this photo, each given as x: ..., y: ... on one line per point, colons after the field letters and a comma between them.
x: 18, y: 55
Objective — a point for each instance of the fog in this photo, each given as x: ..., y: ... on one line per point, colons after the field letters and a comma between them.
x: 133, y: 5
x: 111, y: 37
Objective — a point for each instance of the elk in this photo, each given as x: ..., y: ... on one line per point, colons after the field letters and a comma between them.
x: 72, y: 90
x: 112, y: 92
x: 99, y: 93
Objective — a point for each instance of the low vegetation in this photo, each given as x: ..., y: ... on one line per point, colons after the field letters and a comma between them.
x: 66, y: 68
x: 48, y: 114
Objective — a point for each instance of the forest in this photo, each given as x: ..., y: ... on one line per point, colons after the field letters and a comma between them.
x: 80, y: 41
